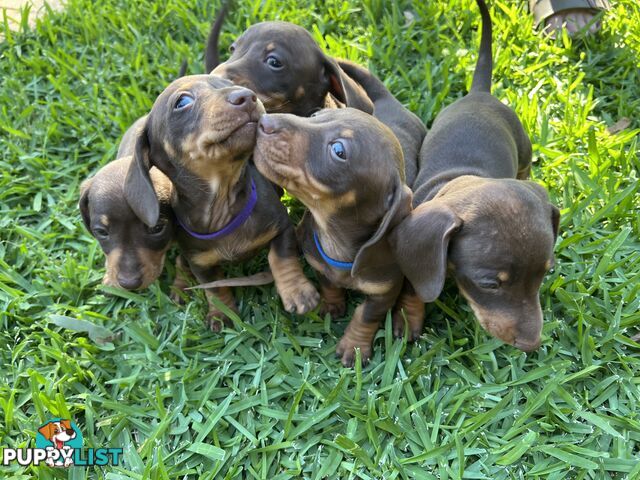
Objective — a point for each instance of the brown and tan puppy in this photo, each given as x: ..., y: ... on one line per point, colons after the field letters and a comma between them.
x: 285, y: 67
x: 346, y: 168
x: 201, y: 133
x: 405, y: 125
x: 494, y: 234
x: 134, y: 251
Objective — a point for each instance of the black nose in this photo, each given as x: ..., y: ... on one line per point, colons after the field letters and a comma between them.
x: 268, y: 124
x: 129, y: 281
x: 242, y: 97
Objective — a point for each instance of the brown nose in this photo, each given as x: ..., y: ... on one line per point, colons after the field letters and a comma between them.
x: 268, y: 124
x: 242, y: 98
x: 129, y: 282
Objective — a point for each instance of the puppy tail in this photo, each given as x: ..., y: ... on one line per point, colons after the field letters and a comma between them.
x: 373, y: 87
x: 262, y: 278
x: 484, y: 66
x: 211, y: 57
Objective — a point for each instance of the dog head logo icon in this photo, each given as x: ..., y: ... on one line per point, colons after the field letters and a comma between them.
x: 61, y: 435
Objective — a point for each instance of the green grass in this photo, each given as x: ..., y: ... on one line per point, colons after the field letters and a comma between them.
x: 268, y: 400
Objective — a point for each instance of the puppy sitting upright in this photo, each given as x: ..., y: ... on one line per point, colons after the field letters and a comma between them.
x: 495, y: 234
x: 285, y: 67
x: 201, y: 132
x: 346, y: 168
x: 134, y: 251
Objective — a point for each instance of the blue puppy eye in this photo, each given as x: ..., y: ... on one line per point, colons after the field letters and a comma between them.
x: 338, y: 150
x: 183, y: 101
x: 273, y: 62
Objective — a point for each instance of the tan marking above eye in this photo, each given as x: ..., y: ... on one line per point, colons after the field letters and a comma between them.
x: 299, y: 92
x: 503, y: 276
x: 270, y: 47
x: 347, y: 133
x: 104, y: 220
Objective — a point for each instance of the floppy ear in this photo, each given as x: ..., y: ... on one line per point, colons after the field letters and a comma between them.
x: 345, y: 89
x: 376, y: 250
x: 138, y: 187
x: 84, y: 202
x: 555, y: 220
x: 66, y: 424
x: 47, y: 430
x: 420, y: 244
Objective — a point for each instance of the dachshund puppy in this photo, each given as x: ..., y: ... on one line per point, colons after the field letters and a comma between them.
x: 495, y: 234
x: 346, y: 167
x: 201, y: 133
x: 134, y: 251
x: 285, y: 67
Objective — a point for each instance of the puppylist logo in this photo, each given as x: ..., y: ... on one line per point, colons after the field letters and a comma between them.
x: 59, y: 444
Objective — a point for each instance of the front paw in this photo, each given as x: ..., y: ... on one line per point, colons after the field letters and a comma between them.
x: 346, y: 350
x: 300, y: 298
x: 414, y: 326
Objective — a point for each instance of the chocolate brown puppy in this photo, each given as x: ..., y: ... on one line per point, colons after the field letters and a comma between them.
x: 285, y: 67
x: 346, y: 167
x: 201, y: 133
x: 406, y: 126
x: 134, y: 251
x: 494, y: 234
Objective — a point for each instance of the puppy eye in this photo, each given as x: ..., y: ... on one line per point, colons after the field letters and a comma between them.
x: 157, y: 228
x: 232, y: 48
x: 183, y: 101
x: 488, y: 284
x: 100, y: 232
x: 274, y: 63
x: 338, y: 151
x: 315, y: 112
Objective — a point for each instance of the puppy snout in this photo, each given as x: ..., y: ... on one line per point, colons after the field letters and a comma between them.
x: 526, y: 346
x: 268, y: 125
x: 129, y: 281
x: 243, y: 98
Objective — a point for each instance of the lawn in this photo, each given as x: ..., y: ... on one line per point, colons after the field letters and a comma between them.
x: 268, y: 400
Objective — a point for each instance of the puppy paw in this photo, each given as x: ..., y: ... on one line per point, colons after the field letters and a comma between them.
x: 346, y: 351
x: 335, y: 309
x: 409, y: 313
x: 300, y: 298
x: 399, y: 326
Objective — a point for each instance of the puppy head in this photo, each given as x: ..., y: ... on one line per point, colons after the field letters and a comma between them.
x: 286, y: 68
x: 339, y: 163
x: 134, y: 252
x: 201, y: 127
x: 61, y: 430
x: 497, y: 238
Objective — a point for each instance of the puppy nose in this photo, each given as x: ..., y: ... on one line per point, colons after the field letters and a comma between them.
x: 527, y: 346
x: 242, y: 98
x: 129, y: 282
x: 268, y: 124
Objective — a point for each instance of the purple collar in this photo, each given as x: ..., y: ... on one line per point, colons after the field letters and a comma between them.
x: 233, y: 224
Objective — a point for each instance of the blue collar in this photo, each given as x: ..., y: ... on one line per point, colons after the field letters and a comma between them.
x: 233, y: 224
x: 334, y: 263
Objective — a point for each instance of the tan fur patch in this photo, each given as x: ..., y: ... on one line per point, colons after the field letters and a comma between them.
x: 299, y: 92
x: 503, y: 276
x: 348, y: 133
x: 152, y: 264
x: 233, y: 249
x: 408, y: 306
x: 373, y: 288
x: 333, y: 300
x: 359, y: 334
x: 104, y: 220
x: 295, y: 290
x: 548, y: 264
x: 111, y: 268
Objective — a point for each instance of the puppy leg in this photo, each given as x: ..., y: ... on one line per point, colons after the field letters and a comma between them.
x: 333, y: 299
x: 181, y: 282
x: 363, y: 327
x: 215, y: 318
x: 408, y: 307
x: 297, y: 293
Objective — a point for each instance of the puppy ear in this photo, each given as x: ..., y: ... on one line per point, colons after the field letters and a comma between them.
x: 345, y: 89
x: 66, y: 424
x: 420, y: 244
x: 375, y: 250
x: 84, y: 202
x: 555, y: 220
x: 47, y: 430
x: 138, y: 187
